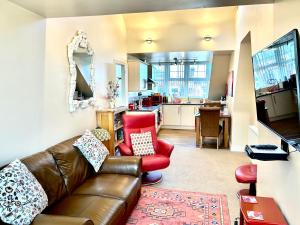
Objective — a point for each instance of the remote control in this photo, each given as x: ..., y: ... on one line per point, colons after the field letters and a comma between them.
x: 269, y: 147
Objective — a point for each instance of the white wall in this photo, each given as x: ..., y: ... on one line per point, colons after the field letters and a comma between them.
x: 219, y: 75
x: 243, y: 108
x: 35, y: 78
x: 258, y: 20
x: 22, y: 41
x: 107, y: 37
x: 277, y: 179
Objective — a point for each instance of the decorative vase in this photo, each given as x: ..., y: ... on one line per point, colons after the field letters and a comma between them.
x: 112, y: 104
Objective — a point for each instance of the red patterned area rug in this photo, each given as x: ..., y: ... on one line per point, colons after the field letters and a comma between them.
x: 165, y: 207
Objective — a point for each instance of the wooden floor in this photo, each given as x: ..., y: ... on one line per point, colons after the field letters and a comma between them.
x: 202, y: 169
x: 188, y: 138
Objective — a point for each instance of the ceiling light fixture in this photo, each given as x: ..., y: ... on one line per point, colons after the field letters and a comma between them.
x: 207, y: 38
x: 175, y: 61
x: 149, y: 41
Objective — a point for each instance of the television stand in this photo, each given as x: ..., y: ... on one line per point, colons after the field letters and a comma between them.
x: 266, y: 154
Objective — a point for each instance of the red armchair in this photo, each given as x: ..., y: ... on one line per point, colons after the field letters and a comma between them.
x: 144, y: 122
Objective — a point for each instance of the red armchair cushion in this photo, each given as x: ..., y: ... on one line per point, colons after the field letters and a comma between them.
x: 139, y: 124
x: 154, y: 162
x: 152, y: 129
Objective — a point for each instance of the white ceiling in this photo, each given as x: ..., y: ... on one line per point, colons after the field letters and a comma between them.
x: 193, y: 17
x: 65, y: 8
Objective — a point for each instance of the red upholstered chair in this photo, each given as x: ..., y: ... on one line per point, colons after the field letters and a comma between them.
x: 247, y: 174
x: 140, y: 123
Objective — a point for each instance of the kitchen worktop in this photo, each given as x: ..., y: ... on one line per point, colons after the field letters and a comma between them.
x: 146, y: 109
x: 275, y: 91
x: 182, y: 103
x: 186, y: 103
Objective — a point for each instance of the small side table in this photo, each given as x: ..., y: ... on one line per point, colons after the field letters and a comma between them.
x: 267, y: 206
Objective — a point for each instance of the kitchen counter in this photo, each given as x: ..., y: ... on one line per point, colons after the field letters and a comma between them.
x: 146, y: 109
x: 182, y: 103
x: 185, y: 103
x: 274, y: 92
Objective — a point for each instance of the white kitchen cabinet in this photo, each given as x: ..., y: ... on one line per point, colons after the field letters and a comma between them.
x: 179, y: 116
x: 187, y: 115
x: 171, y: 115
x: 137, y: 75
x: 268, y: 104
x: 284, y: 103
x: 280, y: 104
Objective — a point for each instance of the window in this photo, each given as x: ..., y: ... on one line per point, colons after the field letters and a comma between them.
x: 182, y: 80
x: 198, y: 71
x: 176, y: 71
x: 274, y: 65
x: 120, y: 77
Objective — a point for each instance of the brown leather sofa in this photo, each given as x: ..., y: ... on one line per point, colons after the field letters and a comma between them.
x: 79, y: 196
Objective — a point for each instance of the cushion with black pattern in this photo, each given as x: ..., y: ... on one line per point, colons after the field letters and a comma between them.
x: 21, y: 195
x: 142, y: 144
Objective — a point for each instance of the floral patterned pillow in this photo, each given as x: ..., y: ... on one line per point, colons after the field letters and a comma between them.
x: 92, y: 149
x: 142, y: 144
x: 101, y: 134
x: 21, y: 195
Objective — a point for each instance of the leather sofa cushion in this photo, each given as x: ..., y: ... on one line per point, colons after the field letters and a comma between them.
x: 43, y: 167
x: 154, y: 162
x: 99, y: 209
x: 112, y: 185
x: 43, y: 219
x: 72, y: 164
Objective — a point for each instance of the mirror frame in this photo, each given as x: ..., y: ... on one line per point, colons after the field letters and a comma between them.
x: 80, y: 41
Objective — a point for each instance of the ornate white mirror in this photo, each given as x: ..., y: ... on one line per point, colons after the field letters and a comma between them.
x: 82, y: 82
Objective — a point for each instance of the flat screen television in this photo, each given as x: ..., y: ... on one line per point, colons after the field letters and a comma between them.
x: 277, y: 89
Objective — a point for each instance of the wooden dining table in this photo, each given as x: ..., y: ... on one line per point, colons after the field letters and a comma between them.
x: 225, y: 118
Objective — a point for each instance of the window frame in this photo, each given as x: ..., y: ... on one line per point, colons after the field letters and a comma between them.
x: 121, y: 100
x: 186, y: 77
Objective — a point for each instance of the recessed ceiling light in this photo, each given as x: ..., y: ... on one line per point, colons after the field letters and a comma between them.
x: 149, y: 41
x: 207, y: 38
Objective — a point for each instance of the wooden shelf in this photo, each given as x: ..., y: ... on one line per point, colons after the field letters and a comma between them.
x: 119, y: 142
x: 106, y: 120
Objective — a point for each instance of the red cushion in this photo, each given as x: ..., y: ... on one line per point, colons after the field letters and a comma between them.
x: 154, y: 162
x: 246, y: 173
x: 127, y: 138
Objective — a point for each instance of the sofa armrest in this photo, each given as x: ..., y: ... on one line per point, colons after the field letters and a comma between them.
x: 165, y: 148
x: 129, y: 165
x: 45, y: 219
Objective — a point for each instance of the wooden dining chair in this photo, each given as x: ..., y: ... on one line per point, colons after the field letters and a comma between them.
x: 209, y: 123
x: 212, y: 104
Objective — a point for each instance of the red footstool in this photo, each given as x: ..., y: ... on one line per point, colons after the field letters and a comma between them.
x: 247, y: 174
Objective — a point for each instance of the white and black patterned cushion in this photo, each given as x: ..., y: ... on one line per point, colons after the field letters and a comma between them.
x: 142, y: 144
x: 92, y: 149
x: 21, y: 195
